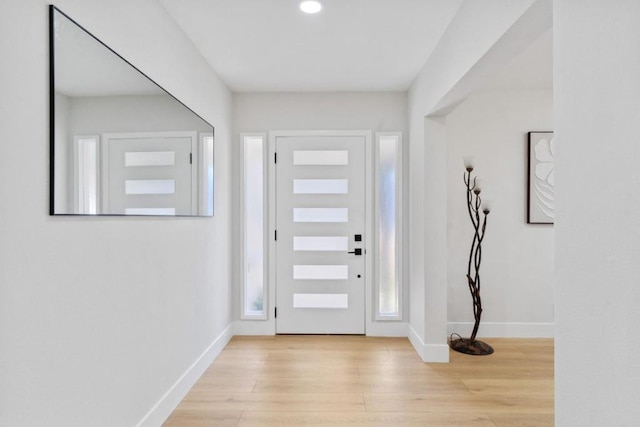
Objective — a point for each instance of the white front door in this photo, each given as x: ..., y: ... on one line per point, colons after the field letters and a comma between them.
x: 150, y: 173
x: 320, y: 225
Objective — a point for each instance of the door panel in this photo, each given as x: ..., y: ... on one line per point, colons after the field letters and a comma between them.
x: 149, y: 175
x: 320, y: 207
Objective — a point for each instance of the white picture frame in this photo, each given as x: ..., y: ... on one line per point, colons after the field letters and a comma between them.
x: 541, y: 178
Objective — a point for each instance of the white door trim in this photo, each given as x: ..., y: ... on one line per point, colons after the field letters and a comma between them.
x: 271, y: 252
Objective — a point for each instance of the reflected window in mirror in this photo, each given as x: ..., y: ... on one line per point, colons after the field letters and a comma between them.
x: 120, y: 144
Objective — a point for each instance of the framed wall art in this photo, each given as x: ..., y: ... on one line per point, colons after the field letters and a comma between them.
x: 541, y: 178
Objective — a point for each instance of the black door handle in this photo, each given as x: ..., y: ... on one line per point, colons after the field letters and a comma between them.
x: 356, y: 251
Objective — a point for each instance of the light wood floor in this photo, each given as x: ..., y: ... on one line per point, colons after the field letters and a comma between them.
x: 358, y: 381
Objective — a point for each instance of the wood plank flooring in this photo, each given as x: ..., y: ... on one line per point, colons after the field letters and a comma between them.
x: 289, y: 380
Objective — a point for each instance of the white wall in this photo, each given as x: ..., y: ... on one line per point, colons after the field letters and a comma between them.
x: 262, y: 112
x: 596, y: 69
x: 376, y: 111
x: 136, y: 113
x: 480, y: 40
x: 99, y: 317
x: 517, y: 258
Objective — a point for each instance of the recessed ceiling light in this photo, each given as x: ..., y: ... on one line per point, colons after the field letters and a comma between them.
x: 310, y: 6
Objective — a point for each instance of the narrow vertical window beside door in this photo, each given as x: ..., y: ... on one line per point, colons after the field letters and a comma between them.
x: 253, y: 155
x: 389, y: 293
x: 206, y: 178
x: 86, y: 174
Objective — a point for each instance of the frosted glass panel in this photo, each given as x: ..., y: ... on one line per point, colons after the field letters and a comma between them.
x: 150, y: 211
x: 320, y: 272
x: 320, y: 243
x: 207, y: 197
x: 87, y: 175
x: 321, y: 215
x: 320, y: 301
x: 320, y: 158
x: 150, y: 158
x: 253, y: 226
x: 150, y: 186
x: 320, y: 186
x: 387, y: 268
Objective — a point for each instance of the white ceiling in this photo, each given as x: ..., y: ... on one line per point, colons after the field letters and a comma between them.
x: 259, y: 45
x: 352, y: 45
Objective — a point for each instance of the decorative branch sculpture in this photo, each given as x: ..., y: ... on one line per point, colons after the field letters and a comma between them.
x: 474, y: 206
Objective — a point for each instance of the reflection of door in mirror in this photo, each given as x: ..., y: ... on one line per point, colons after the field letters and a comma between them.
x: 143, y: 174
x: 149, y: 173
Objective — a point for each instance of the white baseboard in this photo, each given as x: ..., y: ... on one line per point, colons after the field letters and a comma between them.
x: 430, y: 353
x: 170, y: 400
x: 374, y: 329
x: 503, y: 330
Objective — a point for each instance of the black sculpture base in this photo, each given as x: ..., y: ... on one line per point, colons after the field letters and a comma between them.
x: 474, y: 348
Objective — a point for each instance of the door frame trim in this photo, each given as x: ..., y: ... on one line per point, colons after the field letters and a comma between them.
x: 369, y: 212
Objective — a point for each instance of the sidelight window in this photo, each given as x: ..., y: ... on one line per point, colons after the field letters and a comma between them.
x: 388, y: 180
x: 253, y: 203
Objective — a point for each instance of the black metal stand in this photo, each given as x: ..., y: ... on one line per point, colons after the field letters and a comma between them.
x: 474, y: 202
x: 474, y: 348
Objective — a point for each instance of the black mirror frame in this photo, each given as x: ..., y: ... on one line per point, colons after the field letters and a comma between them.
x: 52, y: 10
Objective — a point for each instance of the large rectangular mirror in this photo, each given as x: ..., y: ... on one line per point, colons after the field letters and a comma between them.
x: 120, y: 144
